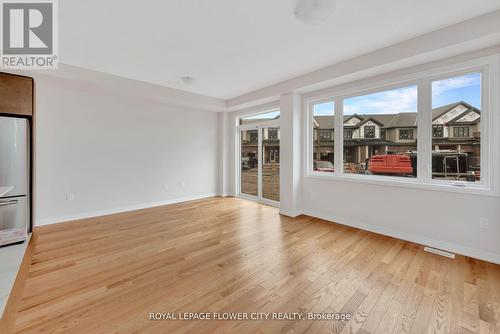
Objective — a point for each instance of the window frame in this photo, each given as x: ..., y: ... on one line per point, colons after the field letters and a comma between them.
x: 275, y: 131
x: 438, y: 126
x: 409, y: 131
x: 329, y: 131
x: 488, y: 67
x: 351, y: 132
x: 373, y: 130
x: 456, y: 130
x: 236, y: 117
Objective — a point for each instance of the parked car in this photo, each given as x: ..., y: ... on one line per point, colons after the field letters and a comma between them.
x: 245, y: 163
x: 323, y: 166
x: 248, y: 163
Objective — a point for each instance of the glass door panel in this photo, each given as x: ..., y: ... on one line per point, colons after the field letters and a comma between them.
x: 249, y: 162
x: 271, y: 163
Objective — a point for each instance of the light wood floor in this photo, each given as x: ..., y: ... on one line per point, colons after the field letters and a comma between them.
x: 106, y: 275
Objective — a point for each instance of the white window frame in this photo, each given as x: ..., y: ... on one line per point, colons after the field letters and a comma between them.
x: 259, y: 126
x: 490, y: 146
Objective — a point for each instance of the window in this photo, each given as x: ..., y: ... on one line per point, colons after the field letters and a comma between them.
x: 323, y: 123
x: 259, y: 118
x: 369, y: 131
x: 254, y: 136
x: 461, y: 131
x: 325, y: 134
x: 379, y: 132
x: 405, y: 134
x: 456, y: 102
x: 272, y: 133
x: 437, y: 131
x: 259, y: 150
x: 365, y: 116
x: 348, y: 134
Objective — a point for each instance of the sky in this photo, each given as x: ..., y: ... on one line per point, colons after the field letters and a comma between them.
x: 463, y: 88
x: 269, y: 115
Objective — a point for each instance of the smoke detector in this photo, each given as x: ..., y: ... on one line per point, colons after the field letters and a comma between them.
x: 312, y: 12
x: 188, y: 80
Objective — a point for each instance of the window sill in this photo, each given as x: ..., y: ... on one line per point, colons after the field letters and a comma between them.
x: 389, y: 181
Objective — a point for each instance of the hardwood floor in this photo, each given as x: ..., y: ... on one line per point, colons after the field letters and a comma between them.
x: 105, y: 275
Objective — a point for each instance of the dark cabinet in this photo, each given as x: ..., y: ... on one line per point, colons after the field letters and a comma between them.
x: 16, y: 95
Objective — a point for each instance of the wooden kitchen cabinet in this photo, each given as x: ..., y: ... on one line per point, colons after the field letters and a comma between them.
x: 16, y: 95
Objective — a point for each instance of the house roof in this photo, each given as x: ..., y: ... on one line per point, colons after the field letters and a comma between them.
x: 388, y: 121
x: 402, y: 120
x: 368, y: 119
x: 439, y: 111
x: 324, y: 122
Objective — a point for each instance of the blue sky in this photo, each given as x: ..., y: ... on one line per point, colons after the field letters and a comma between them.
x: 464, y: 88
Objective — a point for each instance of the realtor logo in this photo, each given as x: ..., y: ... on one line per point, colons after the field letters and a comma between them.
x: 29, y: 34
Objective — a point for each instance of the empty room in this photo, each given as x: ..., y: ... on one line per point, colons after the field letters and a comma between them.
x: 231, y: 166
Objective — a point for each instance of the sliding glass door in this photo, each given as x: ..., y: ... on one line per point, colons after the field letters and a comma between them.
x: 249, y: 165
x: 270, y: 179
x: 260, y: 163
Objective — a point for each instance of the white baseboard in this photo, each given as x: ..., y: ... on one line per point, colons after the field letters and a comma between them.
x: 446, y: 246
x: 84, y: 215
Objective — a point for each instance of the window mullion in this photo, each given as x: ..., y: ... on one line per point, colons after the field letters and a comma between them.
x: 424, y: 131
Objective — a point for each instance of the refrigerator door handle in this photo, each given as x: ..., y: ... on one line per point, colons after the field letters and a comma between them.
x: 9, y: 202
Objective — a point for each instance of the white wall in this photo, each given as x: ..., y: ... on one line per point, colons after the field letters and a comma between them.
x: 437, y: 218
x: 116, y: 152
x: 444, y: 220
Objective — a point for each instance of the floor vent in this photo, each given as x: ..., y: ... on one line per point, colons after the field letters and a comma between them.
x: 439, y: 252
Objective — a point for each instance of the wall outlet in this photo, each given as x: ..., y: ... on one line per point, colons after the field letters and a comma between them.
x: 165, y: 186
x: 484, y: 223
x: 70, y: 196
x: 183, y: 184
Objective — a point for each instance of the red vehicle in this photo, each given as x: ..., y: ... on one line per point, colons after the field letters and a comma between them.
x: 323, y: 166
x: 390, y: 164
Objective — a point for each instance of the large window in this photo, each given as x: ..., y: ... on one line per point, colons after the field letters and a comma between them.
x: 272, y: 133
x: 405, y: 133
x: 383, y: 134
x: 323, y: 123
x: 348, y: 134
x: 379, y: 133
x: 437, y: 131
x: 456, y: 150
x: 369, y: 131
x: 461, y: 131
x: 325, y: 134
x: 259, y: 174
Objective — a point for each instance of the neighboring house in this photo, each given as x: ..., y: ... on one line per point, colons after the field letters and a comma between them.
x: 455, y: 127
x: 270, y: 143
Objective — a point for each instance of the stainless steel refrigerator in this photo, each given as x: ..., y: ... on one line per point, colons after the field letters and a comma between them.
x: 14, y: 180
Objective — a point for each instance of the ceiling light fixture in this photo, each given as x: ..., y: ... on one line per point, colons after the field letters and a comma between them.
x: 313, y: 12
x: 188, y: 80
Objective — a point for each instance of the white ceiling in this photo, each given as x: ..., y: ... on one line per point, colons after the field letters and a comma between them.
x: 233, y: 47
